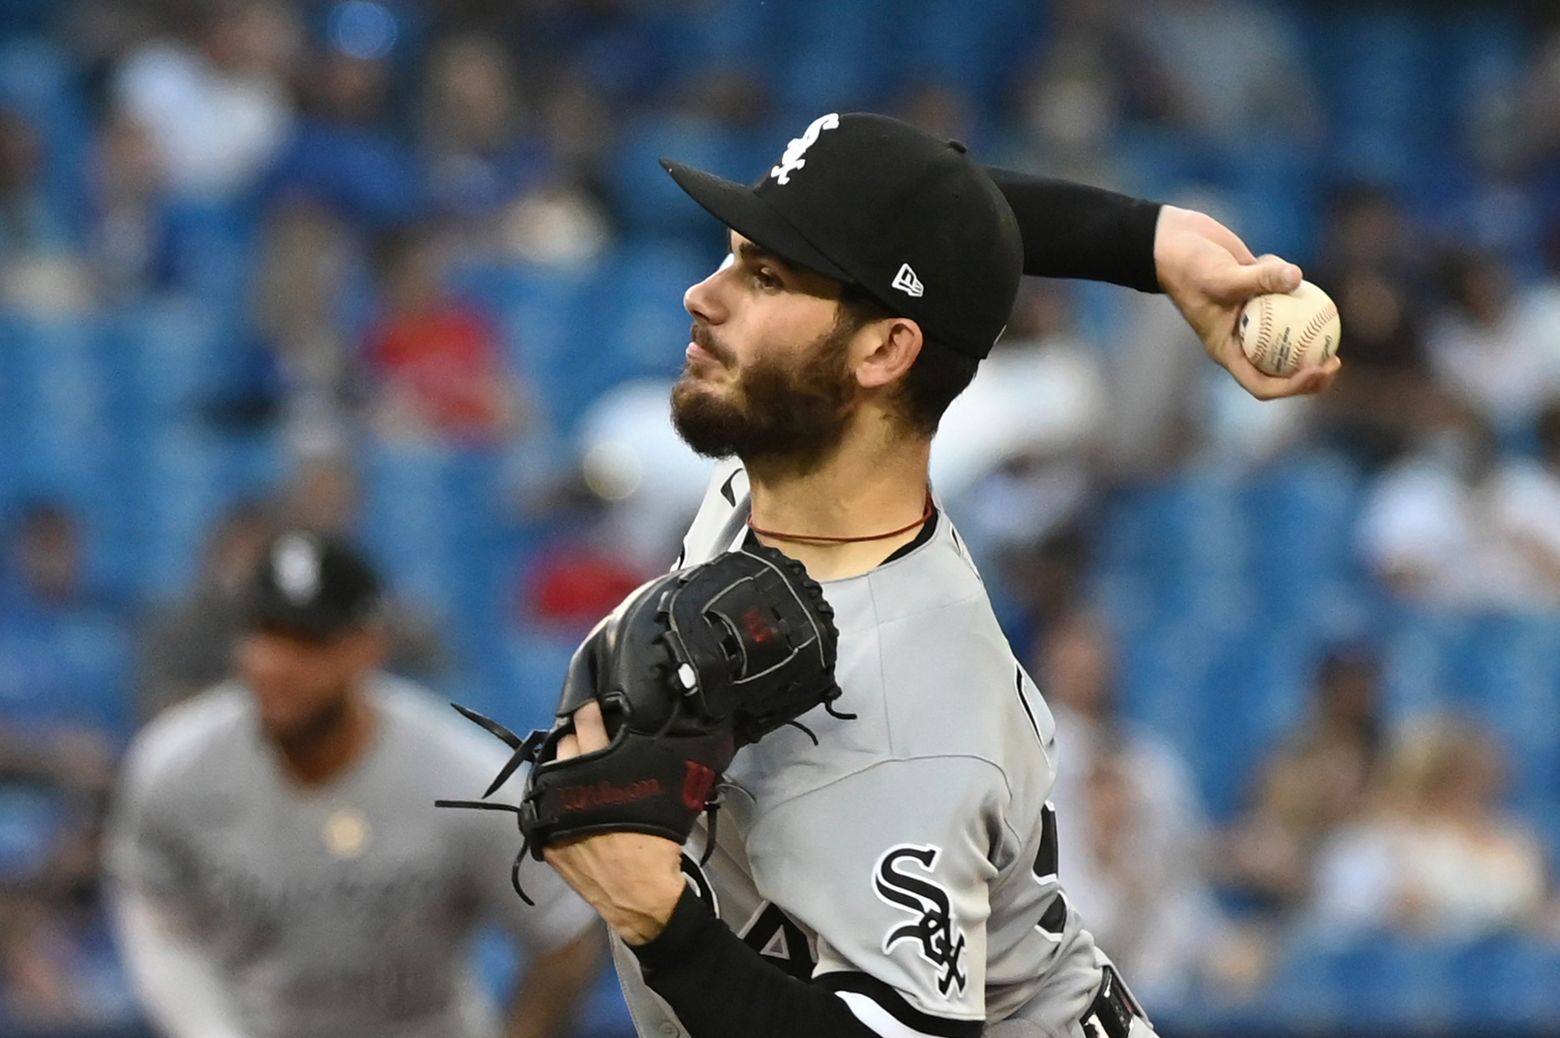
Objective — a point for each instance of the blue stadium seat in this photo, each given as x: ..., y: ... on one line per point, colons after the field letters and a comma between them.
x: 538, y: 662
x: 819, y: 67
x: 976, y: 47
x: 73, y: 671
x: 1365, y: 983
x: 1375, y: 67
x: 648, y: 199
x: 30, y: 820
x: 1301, y: 513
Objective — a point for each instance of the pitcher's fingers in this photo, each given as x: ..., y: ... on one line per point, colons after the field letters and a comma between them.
x: 591, y: 728
x: 1242, y: 281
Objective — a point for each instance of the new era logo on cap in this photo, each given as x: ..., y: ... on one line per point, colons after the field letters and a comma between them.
x: 908, y: 283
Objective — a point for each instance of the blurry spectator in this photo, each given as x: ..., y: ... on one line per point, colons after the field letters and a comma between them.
x: 1528, y: 505
x: 1317, y: 781
x: 1438, y: 855
x: 1371, y: 263
x: 1131, y: 832
x: 1156, y: 915
x: 1068, y: 110
x: 129, y: 239
x: 298, y: 371
x: 61, y: 638
x: 1259, y: 83
x: 324, y: 495
x: 582, y: 575
x: 1446, y: 527
x: 39, y: 268
x: 27, y: 223
x: 188, y: 646
x: 44, y: 561
x: 1498, y: 356
x: 1539, y: 116
x: 276, y: 865
x: 1040, y: 404
x: 942, y: 110
x: 1076, y: 672
x: 488, y: 154
x: 1017, y: 452
x: 219, y: 110
x: 345, y: 154
x: 62, y: 662
x: 478, y: 139
x: 59, y: 971
x: 436, y: 363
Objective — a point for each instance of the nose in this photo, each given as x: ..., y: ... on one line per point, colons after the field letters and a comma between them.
x: 703, y: 300
x: 263, y: 660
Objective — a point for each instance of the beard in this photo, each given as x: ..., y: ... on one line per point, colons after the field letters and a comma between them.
x: 791, y: 411
x: 306, y: 733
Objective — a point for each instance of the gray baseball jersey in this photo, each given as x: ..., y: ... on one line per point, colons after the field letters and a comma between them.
x: 339, y: 911
x: 908, y: 860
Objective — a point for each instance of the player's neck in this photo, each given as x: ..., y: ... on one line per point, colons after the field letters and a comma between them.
x: 331, y: 750
x: 860, y: 490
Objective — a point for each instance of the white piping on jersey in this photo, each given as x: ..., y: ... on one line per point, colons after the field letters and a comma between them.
x: 878, y: 1018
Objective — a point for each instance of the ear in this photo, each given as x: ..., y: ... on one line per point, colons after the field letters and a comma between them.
x: 887, y: 349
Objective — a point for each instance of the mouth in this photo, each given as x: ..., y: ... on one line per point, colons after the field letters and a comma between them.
x: 703, y: 347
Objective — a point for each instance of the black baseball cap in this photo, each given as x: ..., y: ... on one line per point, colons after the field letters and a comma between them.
x: 313, y: 586
x: 875, y: 202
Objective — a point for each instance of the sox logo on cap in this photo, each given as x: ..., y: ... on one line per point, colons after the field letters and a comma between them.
x: 791, y: 160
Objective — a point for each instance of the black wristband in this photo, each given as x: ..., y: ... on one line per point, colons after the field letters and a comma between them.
x: 688, y: 921
x: 718, y: 986
x: 1076, y: 231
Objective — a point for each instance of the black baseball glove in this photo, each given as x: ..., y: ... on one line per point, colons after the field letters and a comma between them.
x: 687, y: 670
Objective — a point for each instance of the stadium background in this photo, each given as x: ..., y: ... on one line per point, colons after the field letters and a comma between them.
x: 411, y: 270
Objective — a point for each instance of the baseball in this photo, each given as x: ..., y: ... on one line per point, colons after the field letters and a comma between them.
x: 1284, y: 332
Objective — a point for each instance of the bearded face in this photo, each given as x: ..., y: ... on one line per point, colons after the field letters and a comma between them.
x: 780, y: 406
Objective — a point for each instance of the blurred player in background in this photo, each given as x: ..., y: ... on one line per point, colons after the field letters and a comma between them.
x: 275, y: 864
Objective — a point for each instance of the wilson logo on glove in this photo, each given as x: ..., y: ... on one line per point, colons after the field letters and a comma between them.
x: 687, y: 670
x: 604, y: 794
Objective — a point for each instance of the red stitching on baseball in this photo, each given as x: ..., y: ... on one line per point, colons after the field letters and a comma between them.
x: 1316, y: 324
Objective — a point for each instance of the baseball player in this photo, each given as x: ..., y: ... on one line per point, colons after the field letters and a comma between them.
x: 897, y: 876
x: 275, y: 866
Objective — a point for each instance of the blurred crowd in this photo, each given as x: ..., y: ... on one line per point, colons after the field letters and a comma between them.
x: 372, y: 202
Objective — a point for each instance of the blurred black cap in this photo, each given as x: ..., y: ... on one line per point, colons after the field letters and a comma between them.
x: 313, y: 586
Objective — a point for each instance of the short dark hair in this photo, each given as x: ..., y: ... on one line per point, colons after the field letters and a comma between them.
x: 938, y: 375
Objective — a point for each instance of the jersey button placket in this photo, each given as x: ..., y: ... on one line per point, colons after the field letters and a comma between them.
x: 668, y: 1028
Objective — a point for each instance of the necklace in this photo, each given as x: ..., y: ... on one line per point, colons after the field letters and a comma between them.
x: 818, y: 538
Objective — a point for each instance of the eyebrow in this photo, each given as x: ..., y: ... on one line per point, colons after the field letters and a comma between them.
x: 751, y: 252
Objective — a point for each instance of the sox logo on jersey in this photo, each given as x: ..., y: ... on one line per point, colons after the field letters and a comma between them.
x: 934, y: 930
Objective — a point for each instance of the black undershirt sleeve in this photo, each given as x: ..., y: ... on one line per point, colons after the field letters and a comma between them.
x: 718, y: 986
x: 1077, y: 231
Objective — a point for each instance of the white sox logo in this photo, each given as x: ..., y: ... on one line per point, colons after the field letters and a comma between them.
x: 792, y: 160
x: 934, y: 929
